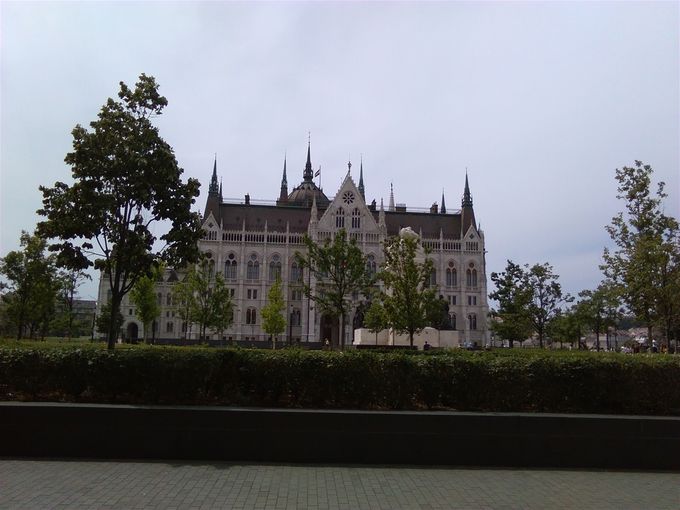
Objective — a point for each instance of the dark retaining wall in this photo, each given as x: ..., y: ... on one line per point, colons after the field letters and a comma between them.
x: 313, y: 436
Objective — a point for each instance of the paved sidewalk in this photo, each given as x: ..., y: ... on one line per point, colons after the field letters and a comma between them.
x: 37, y: 484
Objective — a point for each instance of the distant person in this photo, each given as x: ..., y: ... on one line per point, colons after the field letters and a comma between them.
x: 427, y: 346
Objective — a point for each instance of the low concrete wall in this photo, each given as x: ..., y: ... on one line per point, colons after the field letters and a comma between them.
x: 309, y: 436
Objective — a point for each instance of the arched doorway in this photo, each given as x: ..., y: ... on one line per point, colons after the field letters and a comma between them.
x: 329, y: 330
x: 132, y: 332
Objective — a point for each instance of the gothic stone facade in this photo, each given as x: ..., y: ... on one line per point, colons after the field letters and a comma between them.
x: 252, y: 243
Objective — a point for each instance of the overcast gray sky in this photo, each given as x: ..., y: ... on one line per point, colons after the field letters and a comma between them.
x: 541, y: 101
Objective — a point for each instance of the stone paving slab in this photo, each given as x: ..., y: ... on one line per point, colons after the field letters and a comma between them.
x: 108, y: 485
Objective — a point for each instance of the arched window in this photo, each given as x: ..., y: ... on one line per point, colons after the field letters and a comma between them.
x: 340, y: 218
x: 275, y: 268
x: 211, y: 269
x: 230, y: 267
x: 472, y: 321
x: 169, y: 327
x: 295, y: 317
x: 371, y: 267
x: 451, y: 275
x: 433, y: 278
x: 356, y: 218
x: 295, y: 272
x: 168, y: 299
x: 253, y: 272
x: 453, y: 321
x: 251, y: 316
x: 471, y: 276
x: 160, y: 298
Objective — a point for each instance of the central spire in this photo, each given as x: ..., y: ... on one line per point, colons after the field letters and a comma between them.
x: 361, y: 178
x: 308, y: 174
x: 467, y: 196
x: 214, y: 187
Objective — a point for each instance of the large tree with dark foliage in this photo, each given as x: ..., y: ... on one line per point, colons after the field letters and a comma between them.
x: 125, y: 178
x: 645, y: 265
x: 31, y: 287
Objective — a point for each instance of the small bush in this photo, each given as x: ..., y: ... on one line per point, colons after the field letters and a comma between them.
x: 503, y: 380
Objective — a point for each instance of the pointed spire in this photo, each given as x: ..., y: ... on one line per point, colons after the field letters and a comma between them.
x: 349, y: 166
x: 443, y: 209
x: 213, y: 189
x: 361, y: 178
x: 391, y: 206
x: 314, y: 213
x: 381, y: 214
x: 220, y: 189
x: 308, y: 174
x: 467, y: 197
x: 283, y: 196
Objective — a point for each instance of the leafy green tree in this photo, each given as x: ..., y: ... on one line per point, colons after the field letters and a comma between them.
x: 103, y: 320
x: 273, y: 320
x: 143, y: 296
x: 339, y: 269
x: 198, y: 293
x: 567, y: 326
x: 596, y: 308
x: 222, y: 307
x: 376, y: 318
x: 546, y: 297
x: 182, y: 298
x: 125, y: 178
x: 31, y: 286
x: 644, y: 264
x: 511, y: 320
x: 68, y: 281
x: 408, y: 299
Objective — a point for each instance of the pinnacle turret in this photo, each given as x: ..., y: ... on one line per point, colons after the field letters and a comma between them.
x: 467, y: 196
x: 361, y: 179
x: 214, y: 188
x: 443, y: 209
x: 308, y: 174
x: 391, y: 206
x: 283, y: 196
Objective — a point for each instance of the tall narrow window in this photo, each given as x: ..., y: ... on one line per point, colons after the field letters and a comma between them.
x: 251, y: 316
x: 453, y: 321
x: 451, y: 275
x: 230, y: 267
x: 253, y: 272
x: 356, y: 218
x: 371, y: 266
x: 340, y: 218
x: 275, y: 268
x: 295, y: 317
x: 472, y: 320
x: 295, y: 272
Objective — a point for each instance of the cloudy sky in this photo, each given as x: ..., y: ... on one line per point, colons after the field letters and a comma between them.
x: 540, y: 101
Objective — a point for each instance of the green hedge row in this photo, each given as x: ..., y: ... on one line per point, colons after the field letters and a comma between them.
x: 508, y: 380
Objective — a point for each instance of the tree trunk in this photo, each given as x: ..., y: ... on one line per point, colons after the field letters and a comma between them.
x: 113, y: 334
x: 410, y: 338
x: 597, y: 340
x: 342, y: 331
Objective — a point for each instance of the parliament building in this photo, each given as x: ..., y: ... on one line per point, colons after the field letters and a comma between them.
x: 251, y: 243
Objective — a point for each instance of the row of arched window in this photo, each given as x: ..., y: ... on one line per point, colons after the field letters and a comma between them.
x: 472, y: 321
x: 452, y: 276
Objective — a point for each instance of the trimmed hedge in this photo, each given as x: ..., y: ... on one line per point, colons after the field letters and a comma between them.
x: 501, y: 380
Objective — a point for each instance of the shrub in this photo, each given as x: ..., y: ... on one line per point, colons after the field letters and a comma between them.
x: 503, y: 380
